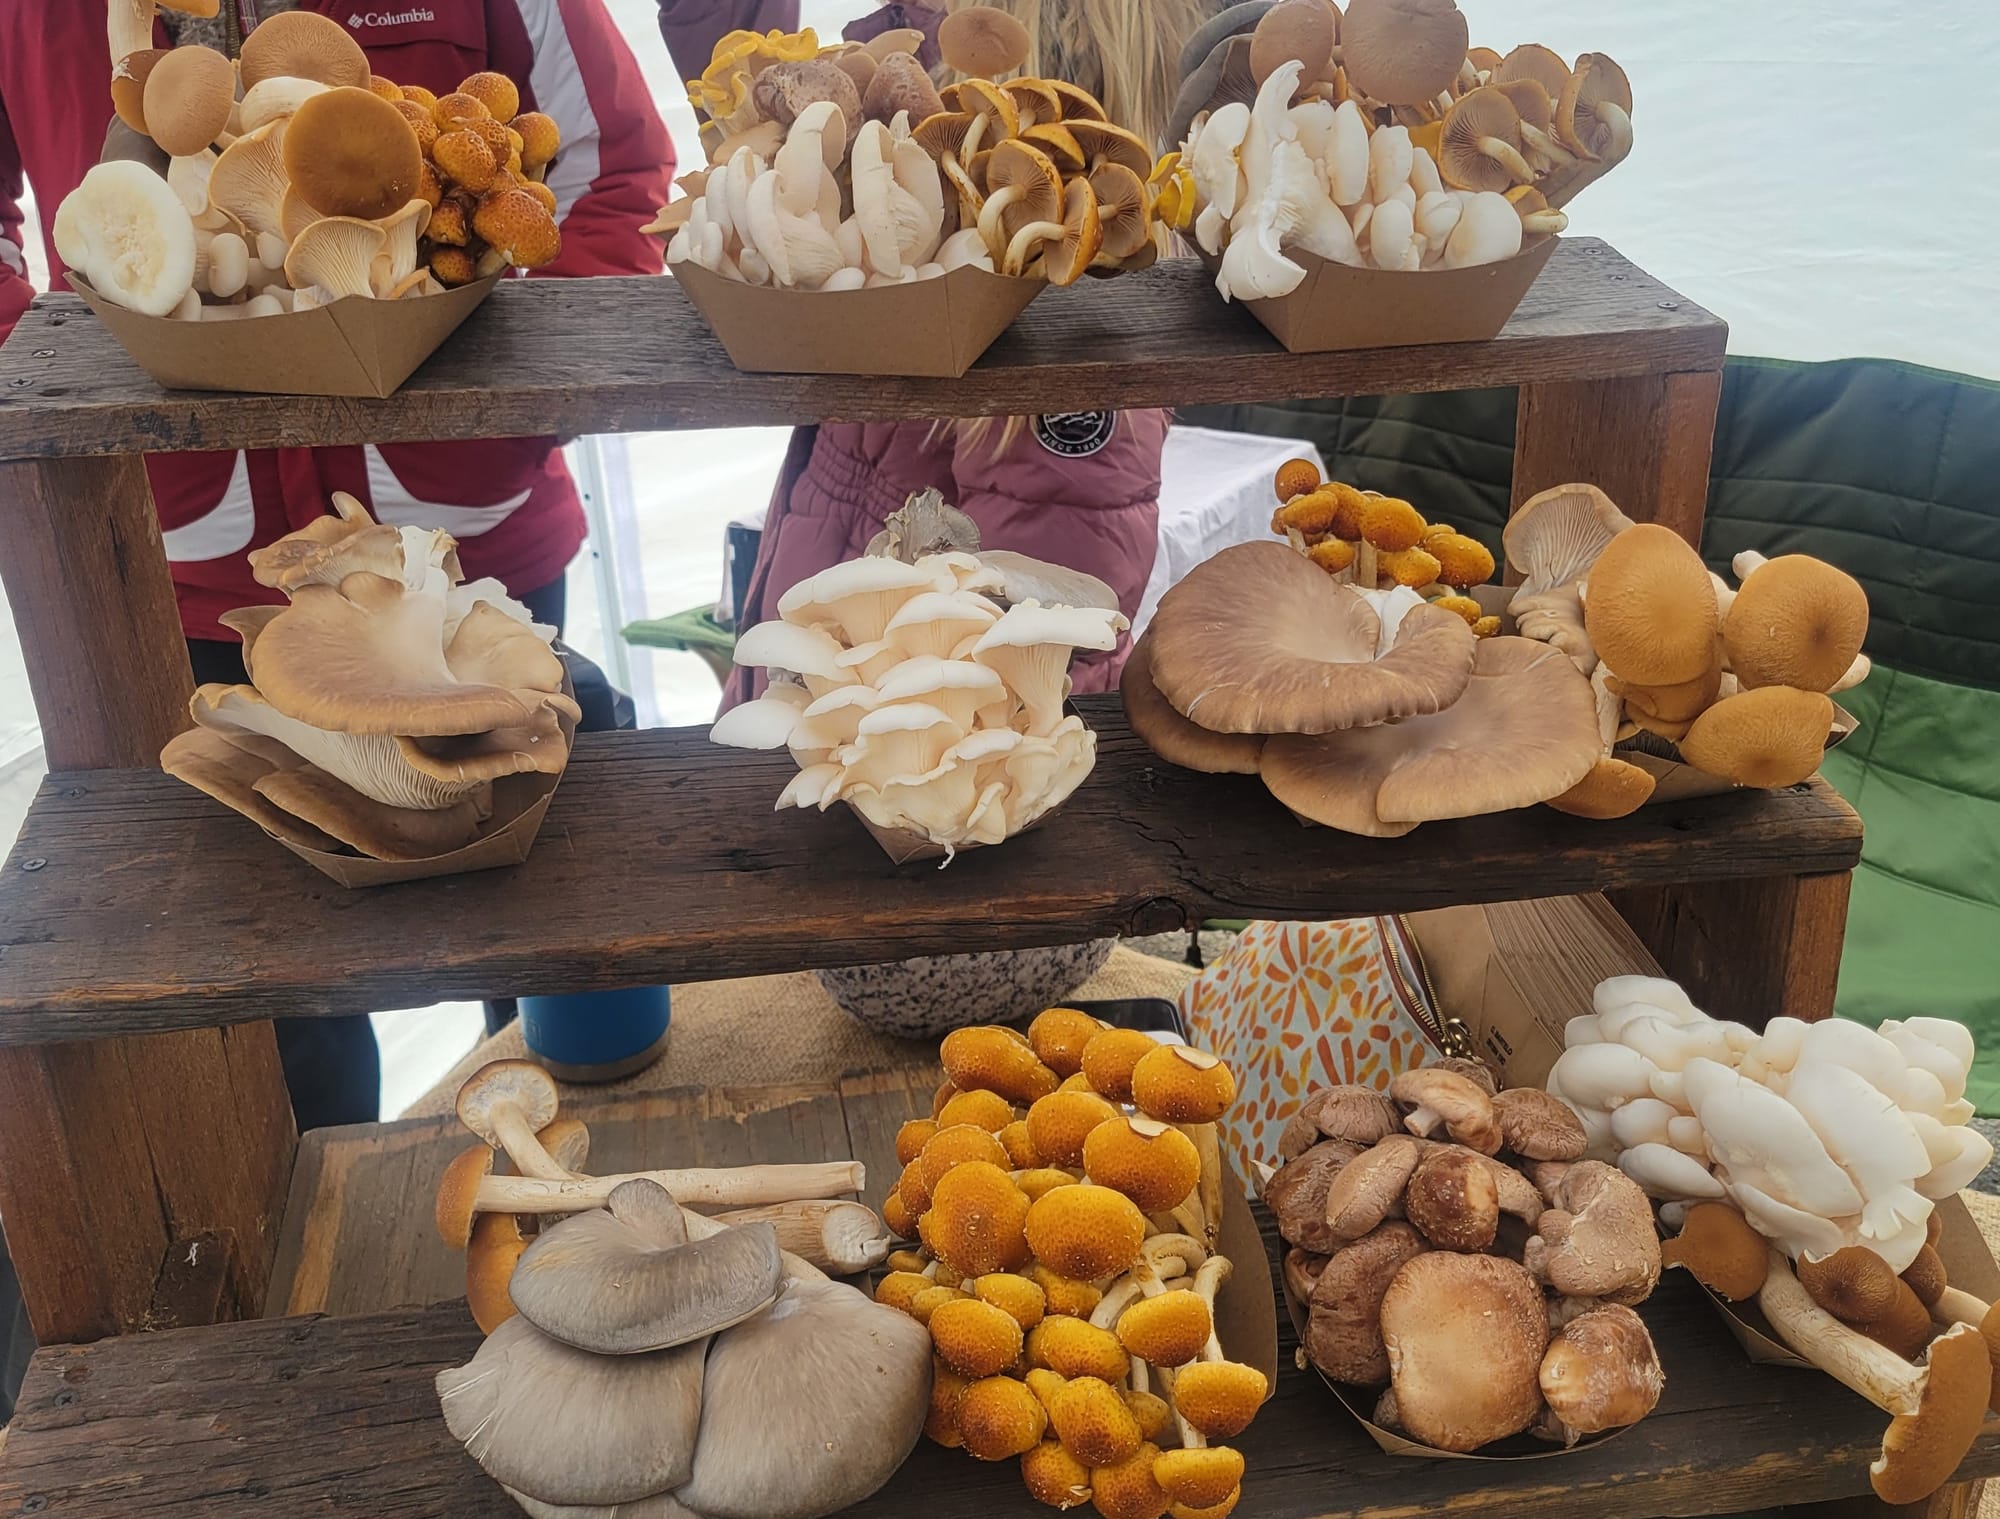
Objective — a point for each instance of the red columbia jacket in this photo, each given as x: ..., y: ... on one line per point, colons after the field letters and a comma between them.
x: 509, y: 502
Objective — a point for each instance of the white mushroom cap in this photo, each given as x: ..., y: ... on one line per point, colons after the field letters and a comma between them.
x: 834, y: 720
x: 859, y: 596
x: 1798, y: 1232
x: 1030, y: 648
x: 957, y: 687
x: 1603, y: 1076
x: 766, y: 723
x: 1762, y: 1139
x: 1666, y: 1173
x: 788, y: 646
x: 1488, y: 230
x: 1869, y: 1137
x: 937, y: 622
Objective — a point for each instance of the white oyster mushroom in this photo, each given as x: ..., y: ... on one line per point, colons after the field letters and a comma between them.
x: 872, y: 164
x: 1424, y: 176
x: 1030, y: 648
x: 1923, y: 1093
x: 811, y: 152
x: 1755, y: 1133
x: 766, y: 723
x: 1254, y: 266
x: 1926, y: 1055
x: 899, y: 742
x: 800, y: 250
x: 1868, y: 1136
x: 1645, y: 1120
x: 1218, y: 176
x: 858, y: 597
x: 1582, y: 1030
x: 1389, y: 155
x: 1686, y: 1134
x: 964, y: 248
x: 1392, y: 237
x: 851, y: 278
x: 959, y: 688
x: 919, y: 206
x: 869, y: 662
x: 831, y: 722
x: 1270, y: 125
x: 1488, y: 231
x: 1436, y: 218
x: 810, y: 652
x: 1665, y: 1173
x: 1842, y: 1041
x: 808, y: 789
x: 1654, y: 991
x: 1798, y: 1232
x: 1603, y: 1076
x: 1957, y: 1155
x: 937, y: 622
x: 1948, y: 1035
x: 1670, y: 1046
x: 1346, y: 162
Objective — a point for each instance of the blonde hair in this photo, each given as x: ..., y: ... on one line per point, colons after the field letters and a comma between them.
x: 1125, y: 52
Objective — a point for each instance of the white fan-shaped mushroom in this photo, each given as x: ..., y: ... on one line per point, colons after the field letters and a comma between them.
x: 1582, y: 1030
x: 1947, y: 1034
x: 1666, y: 1173
x: 1656, y: 992
x: 1868, y: 1136
x: 1685, y: 1134
x: 1389, y: 153
x: 1841, y: 1041
x: 1957, y: 1156
x: 788, y: 646
x: 1603, y: 1076
x: 1670, y: 1046
x: 1757, y: 1134
x: 1797, y: 1232
x: 809, y: 787
x: 1642, y: 1121
x: 766, y: 723
x: 1925, y: 1055
x: 1218, y: 178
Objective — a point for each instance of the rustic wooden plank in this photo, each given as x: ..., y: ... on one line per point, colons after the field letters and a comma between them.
x: 877, y: 1104
x: 1645, y: 440
x: 662, y: 861
x: 625, y: 355
x: 339, y: 1415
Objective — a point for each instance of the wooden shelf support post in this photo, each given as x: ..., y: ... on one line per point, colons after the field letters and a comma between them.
x: 115, y: 1152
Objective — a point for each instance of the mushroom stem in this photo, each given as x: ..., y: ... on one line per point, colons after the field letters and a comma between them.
x: 1366, y: 570
x: 1028, y: 238
x: 990, y: 227
x: 1207, y: 1141
x: 1207, y: 1282
x: 517, y: 1138
x: 1509, y: 158
x: 1191, y: 1438
x: 1545, y: 146
x: 838, y: 1237
x: 1956, y: 1307
x: 1858, y: 1363
x: 741, y: 1186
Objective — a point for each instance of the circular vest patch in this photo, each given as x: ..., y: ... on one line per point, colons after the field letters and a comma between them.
x: 1075, y: 434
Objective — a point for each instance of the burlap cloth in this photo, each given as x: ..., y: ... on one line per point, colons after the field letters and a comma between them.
x: 775, y: 1029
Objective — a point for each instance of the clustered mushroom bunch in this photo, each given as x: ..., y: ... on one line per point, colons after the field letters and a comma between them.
x: 639, y: 1352
x: 1376, y: 139
x: 1379, y: 542
x: 1068, y: 1195
x: 1824, y: 1134
x: 844, y: 168
x: 1453, y: 1247
x: 1739, y: 680
x: 1367, y: 711
x: 386, y: 696
x: 903, y: 689
x: 329, y: 181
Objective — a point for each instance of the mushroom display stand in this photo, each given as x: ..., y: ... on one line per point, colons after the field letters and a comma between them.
x: 357, y: 346
x: 1339, y: 307
x: 933, y: 327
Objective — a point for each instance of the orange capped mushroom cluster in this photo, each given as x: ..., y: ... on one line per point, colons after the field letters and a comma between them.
x: 1067, y: 1197
x: 845, y: 167
x: 1458, y: 1259
x: 486, y: 164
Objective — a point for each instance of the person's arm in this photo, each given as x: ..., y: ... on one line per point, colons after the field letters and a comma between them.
x: 617, y: 164
x: 691, y: 28
x: 15, y: 291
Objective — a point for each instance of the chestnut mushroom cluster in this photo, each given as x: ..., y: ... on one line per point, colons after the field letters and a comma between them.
x: 295, y: 178
x: 1067, y: 1193
x: 1380, y: 542
x: 927, y: 692
x: 637, y: 1350
x: 845, y: 167
x: 1367, y: 711
x: 1738, y: 682
x: 386, y: 696
x: 1376, y: 139
x: 1452, y: 1247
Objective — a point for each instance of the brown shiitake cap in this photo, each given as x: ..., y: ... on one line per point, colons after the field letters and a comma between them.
x: 1772, y: 736
x: 1454, y: 1200
x: 1173, y: 737
x: 1523, y: 730
x: 1598, y: 1240
x: 1440, y: 1099
x: 1720, y: 1250
x: 1257, y: 639
x: 784, y: 91
x: 1402, y: 52
x: 350, y: 153
x: 1536, y: 1126
x: 128, y: 86
x: 1594, y: 111
x: 1294, y: 30
x: 1358, y: 1114
x: 1556, y: 536
x: 1797, y: 621
x: 1296, y: 1194
x: 1465, y: 1336
x: 1481, y: 146
x: 1370, y: 1187
x: 1601, y: 1371
x: 1344, y: 1334
x: 1649, y: 607
x: 303, y: 45
x: 187, y: 98
x: 984, y: 41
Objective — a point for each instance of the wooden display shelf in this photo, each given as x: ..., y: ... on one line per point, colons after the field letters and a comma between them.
x: 307, y: 1415
x: 627, y: 355
x: 134, y: 904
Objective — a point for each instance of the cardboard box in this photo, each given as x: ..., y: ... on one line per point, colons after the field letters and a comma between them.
x: 1338, y: 306
x: 1246, y: 1310
x: 355, y: 347
x: 936, y: 327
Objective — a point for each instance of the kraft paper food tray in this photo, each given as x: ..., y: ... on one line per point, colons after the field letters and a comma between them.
x: 904, y: 847
x: 1246, y: 1310
x: 934, y: 328
x: 355, y: 347
x: 1338, y: 306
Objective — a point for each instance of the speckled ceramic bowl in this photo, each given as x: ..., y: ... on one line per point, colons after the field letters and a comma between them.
x: 922, y: 999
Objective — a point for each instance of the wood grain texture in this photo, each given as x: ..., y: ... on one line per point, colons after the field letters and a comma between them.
x: 1645, y: 440
x: 338, y: 1415
x: 662, y: 861
x: 1748, y: 950
x: 626, y: 355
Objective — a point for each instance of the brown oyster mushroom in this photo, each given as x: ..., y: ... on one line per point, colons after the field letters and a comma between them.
x: 229, y: 770
x: 1302, y: 30
x: 1772, y: 736
x: 301, y: 44
x: 1524, y: 730
x: 1402, y: 52
x: 1533, y: 61
x: 1798, y: 622
x: 1482, y: 143
x: 1556, y: 536
x: 1601, y: 1371
x: 1446, y: 1100
x: 1172, y: 737
x: 1614, y: 788
x: 372, y: 828
x: 1344, y: 1333
x: 186, y: 99
x: 1597, y: 1238
x: 1454, y: 1199
x: 1259, y: 640
x: 1296, y: 1195
x: 900, y: 84
x: 983, y: 41
x: 1465, y: 1336
x: 1369, y: 1188
x: 1649, y: 607
x: 350, y: 153
x: 1536, y: 1126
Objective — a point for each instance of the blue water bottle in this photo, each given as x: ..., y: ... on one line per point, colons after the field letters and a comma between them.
x: 597, y: 1036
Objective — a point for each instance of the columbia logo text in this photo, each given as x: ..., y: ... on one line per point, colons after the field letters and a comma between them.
x: 388, y: 18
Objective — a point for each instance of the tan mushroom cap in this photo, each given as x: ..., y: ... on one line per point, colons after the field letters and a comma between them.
x: 1533, y: 61
x: 1719, y: 1249
x: 1679, y: 703
x: 1078, y: 104
x: 1358, y: 1114
x: 1440, y: 1099
x: 1035, y: 100
x: 1797, y: 621
x: 1104, y: 142
x: 301, y: 44
x: 1614, y: 788
x: 228, y: 771
x: 900, y: 84
x: 1370, y: 1186
x: 1023, y: 189
x: 1594, y: 111
x: 458, y: 1194
x: 187, y: 97
x: 1465, y: 1337
x: 1598, y: 1238
x: 1481, y: 146
x: 1601, y: 1371
x: 1302, y: 30
x: 983, y: 40
x: 1059, y: 143
x: 1066, y: 257
x: 350, y: 153
x: 1258, y: 640
x: 1123, y: 208
x: 982, y: 97
x: 1173, y: 737
x: 1921, y: 1450
x: 372, y: 828
x: 1453, y: 1199
x: 1772, y: 736
x: 1536, y: 1126
x: 1402, y: 52
x: 1296, y: 1194
x: 1649, y: 607
x: 1557, y: 535
x: 518, y: 1084
x: 249, y: 179
x: 1524, y: 730
x: 1344, y: 1333
x: 495, y: 1248
x: 128, y: 86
